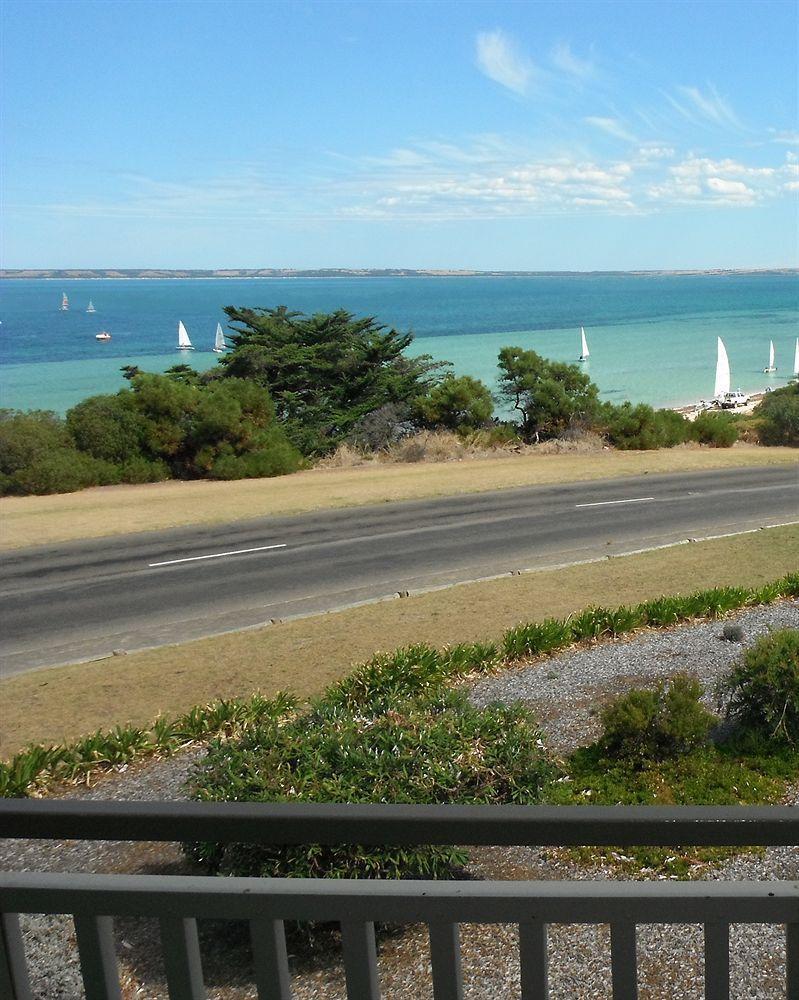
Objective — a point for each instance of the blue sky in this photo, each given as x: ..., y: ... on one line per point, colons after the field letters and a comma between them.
x: 376, y: 134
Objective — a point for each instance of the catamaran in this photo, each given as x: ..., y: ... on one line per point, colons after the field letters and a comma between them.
x: 64, y: 302
x: 722, y: 386
x: 585, y: 354
x: 90, y: 308
x: 770, y: 367
x: 219, y: 340
x: 184, y: 344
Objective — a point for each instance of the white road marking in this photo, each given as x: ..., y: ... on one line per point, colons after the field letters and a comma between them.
x: 216, y: 555
x: 610, y: 503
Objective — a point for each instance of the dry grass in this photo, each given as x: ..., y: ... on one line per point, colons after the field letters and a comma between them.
x: 305, y: 655
x: 113, y: 510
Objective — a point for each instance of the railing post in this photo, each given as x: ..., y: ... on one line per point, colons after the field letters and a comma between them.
x: 184, y: 973
x: 271, y: 962
x: 445, y: 955
x: 98, y: 960
x: 360, y: 960
x: 717, y: 961
x: 14, y: 981
x: 624, y: 961
x: 533, y: 960
x: 792, y: 961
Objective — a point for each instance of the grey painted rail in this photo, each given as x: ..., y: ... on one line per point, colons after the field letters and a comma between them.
x: 180, y: 901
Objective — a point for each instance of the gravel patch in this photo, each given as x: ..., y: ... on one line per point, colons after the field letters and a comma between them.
x: 565, y: 691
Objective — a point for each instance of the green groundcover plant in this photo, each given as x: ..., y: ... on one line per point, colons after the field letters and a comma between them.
x: 762, y: 692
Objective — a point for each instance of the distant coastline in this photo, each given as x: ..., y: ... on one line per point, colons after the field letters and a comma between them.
x: 138, y: 274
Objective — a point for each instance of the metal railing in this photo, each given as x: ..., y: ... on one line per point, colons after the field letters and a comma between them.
x: 179, y: 901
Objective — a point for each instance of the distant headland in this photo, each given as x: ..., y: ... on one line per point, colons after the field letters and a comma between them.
x: 65, y: 274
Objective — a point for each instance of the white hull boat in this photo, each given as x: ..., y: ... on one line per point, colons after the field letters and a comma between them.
x: 90, y: 308
x: 770, y: 367
x: 184, y: 344
x: 219, y: 340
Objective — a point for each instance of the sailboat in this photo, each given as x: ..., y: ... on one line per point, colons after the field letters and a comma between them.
x: 90, y: 308
x: 722, y: 386
x: 585, y: 354
x: 219, y: 340
x: 64, y: 302
x: 184, y: 344
x: 771, y: 367
x: 796, y: 359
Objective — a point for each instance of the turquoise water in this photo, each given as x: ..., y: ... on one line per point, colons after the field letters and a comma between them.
x: 652, y: 338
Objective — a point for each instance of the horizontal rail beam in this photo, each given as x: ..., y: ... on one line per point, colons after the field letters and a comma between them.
x: 306, y: 823
x: 366, y: 900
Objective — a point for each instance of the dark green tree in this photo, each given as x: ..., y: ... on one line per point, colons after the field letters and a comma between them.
x: 778, y: 415
x: 549, y: 396
x: 457, y: 403
x: 638, y: 427
x: 325, y: 372
x: 107, y: 427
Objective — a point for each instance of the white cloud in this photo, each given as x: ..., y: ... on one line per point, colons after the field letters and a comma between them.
x: 734, y: 189
x: 785, y: 138
x: 612, y: 126
x: 499, y: 59
x: 648, y: 153
x: 566, y: 60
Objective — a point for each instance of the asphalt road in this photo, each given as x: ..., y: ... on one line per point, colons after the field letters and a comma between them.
x: 83, y: 600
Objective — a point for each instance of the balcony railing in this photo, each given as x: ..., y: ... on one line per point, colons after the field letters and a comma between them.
x: 179, y: 901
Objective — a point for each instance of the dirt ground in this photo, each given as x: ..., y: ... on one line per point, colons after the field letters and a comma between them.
x: 113, y: 510
x: 305, y: 655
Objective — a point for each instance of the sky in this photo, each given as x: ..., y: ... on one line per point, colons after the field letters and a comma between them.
x: 511, y: 136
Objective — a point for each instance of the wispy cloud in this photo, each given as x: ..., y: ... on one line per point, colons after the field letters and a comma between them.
x: 567, y: 61
x: 704, y: 106
x: 613, y: 126
x: 500, y: 59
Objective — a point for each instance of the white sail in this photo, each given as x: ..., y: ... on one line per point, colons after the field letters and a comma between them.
x: 90, y: 308
x: 796, y: 358
x: 722, y: 370
x: 183, y: 338
x: 771, y: 354
x: 219, y: 340
x: 64, y: 302
x: 585, y: 353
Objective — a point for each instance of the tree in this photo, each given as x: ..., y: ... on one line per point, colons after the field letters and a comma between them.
x: 548, y: 396
x: 457, y: 402
x: 638, y: 427
x: 107, y: 427
x: 325, y: 372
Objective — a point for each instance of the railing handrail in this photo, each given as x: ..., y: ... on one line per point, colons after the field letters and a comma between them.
x: 374, y: 824
x: 403, y: 901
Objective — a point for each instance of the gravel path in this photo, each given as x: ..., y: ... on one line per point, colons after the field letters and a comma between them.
x: 564, y: 691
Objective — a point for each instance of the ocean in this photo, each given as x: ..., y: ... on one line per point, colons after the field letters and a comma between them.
x: 652, y: 337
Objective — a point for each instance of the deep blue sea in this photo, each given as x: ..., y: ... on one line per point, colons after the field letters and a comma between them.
x: 652, y: 338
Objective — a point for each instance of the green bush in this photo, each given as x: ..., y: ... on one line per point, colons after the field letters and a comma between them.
x: 778, y: 416
x: 762, y: 691
x: 640, y: 427
x: 419, y: 751
x: 652, y: 724
x: 456, y: 403
x: 63, y: 471
x: 720, y: 430
x: 107, y: 427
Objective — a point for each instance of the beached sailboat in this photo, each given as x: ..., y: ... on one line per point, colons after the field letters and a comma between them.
x: 184, y: 344
x: 64, y: 302
x: 90, y: 308
x: 770, y: 367
x: 722, y: 386
x: 585, y: 354
x: 219, y: 340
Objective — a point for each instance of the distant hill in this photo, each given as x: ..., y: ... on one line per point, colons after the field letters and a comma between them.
x: 335, y: 272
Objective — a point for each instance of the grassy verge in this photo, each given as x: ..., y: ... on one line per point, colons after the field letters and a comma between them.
x: 114, y: 510
x: 305, y: 656
x: 376, y: 687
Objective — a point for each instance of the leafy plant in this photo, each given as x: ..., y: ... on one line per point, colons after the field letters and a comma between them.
x: 762, y: 691
x: 719, y: 430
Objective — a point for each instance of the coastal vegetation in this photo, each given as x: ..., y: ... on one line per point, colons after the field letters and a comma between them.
x: 295, y: 388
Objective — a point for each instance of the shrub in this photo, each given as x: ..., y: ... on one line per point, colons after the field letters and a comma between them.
x: 763, y: 690
x: 456, y: 403
x: 428, y: 751
x: 63, y: 471
x: 666, y: 721
x: 639, y: 427
x: 778, y: 416
x: 107, y: 427
x: 720, y: 430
